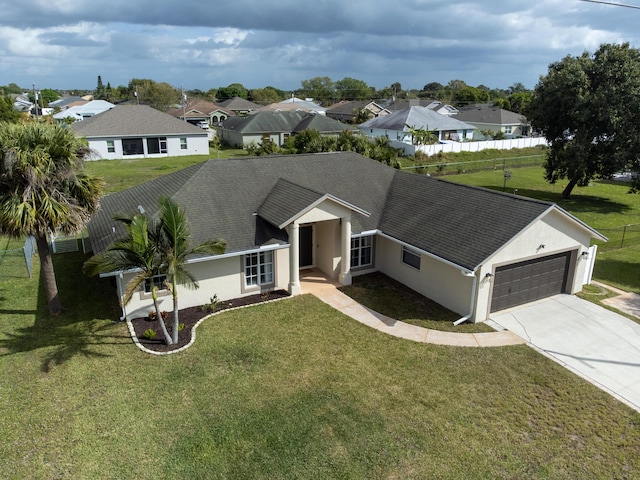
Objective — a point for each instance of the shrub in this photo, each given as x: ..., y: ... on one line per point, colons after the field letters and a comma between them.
x: 150, y: 334
x: 212, y: 306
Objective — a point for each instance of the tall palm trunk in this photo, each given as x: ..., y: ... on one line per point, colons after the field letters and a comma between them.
x: 48, y: 275
x: 163, y: 327
x: 176, y: 321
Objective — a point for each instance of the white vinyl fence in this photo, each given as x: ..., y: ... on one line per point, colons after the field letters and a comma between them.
x: 456, y: 147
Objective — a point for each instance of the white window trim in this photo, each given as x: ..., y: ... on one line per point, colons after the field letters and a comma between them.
x: 259, y: 266
x: 360, y: 248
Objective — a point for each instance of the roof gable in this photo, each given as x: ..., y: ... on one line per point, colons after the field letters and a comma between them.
x: 419, y: 117
x: 134, y: 120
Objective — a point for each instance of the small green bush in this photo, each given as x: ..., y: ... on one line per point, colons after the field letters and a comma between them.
x: 150, y: 334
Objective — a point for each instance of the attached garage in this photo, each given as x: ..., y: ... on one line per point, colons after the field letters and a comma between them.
x: 524, y: 282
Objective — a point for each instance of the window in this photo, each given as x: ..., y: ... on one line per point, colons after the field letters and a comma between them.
x: 157, y: 145
x: 411, y: 257
x: 132, y: 146
x: 158, y: 280
x: 111, y: 146
x: 183, y: 143
x: 361, y: 251
x: 508, y: 129
x: 258, y: 269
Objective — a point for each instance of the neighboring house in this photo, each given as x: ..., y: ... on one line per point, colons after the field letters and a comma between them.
x: 139, y: 131
x: 82, y: 112
x: 239, y: 106
x: 348, y: 111
x: 472, y: 250
x: 307, y: 104
x: 69, y: 101
x: 495, y: 119
x: 394, y: 105
x: 396, y: 126
x: 277, y: 126
x: 21, y: 102
x: 201, y: 112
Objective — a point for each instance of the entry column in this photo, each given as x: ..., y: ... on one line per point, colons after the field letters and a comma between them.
x: 345, y: 243
x: 294, y: 259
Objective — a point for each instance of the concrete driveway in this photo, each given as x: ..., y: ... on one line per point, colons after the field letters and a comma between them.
x: 593, y: 342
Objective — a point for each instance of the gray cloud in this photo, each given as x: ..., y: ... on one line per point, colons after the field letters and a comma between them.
x: 281, y: 43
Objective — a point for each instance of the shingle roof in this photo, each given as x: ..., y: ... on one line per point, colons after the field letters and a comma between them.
x: 419, y: 117
x: 240, y: 200
x: 491, y: 115
x: 269, y: 122
x: 238, y: 104
x: 133, y: 120
x: 199, y: 108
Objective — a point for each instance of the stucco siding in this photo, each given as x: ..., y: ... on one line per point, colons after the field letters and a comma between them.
x: 327, y: 242
x: 551, y: 234
x: 223, y: 277
x: 435, y: 280
x: 195, y: 146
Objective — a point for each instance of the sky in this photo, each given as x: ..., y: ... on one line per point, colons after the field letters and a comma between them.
x: 200, y: 44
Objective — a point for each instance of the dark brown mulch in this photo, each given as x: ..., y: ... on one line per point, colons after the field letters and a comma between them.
x: 191, y: 316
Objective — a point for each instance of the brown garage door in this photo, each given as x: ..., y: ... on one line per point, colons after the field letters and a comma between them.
x: 525, y: 282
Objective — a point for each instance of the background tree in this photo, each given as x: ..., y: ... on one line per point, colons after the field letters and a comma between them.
x: 99, y: 93
x: 7, y: 112
x: 433, y: 90
x: 11, y: 88
x: 588, y: 108
x: 352, y: 89
x: 267, y: 95
x: 43, y: 189
x: 230, y: 91
x: 321, y: 89
x: 160, y: 96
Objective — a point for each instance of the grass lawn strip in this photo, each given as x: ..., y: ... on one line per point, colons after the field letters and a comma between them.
x: 285, y: 390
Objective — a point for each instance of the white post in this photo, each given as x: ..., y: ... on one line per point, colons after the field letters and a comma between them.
x: 294, y: 260
x: 345, y: 264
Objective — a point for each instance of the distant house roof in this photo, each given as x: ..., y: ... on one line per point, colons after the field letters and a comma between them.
x: 312, y: 106
x: 284, y: 107
x: 134, y: 120
x: 238, y: 104
x: 490, y: 114
x: 347, y: 110
x: 269, y: 122
x: 63, y: 102
x: 418, y: 117
x: 87, y: 109
x: 199, y: 109
x: 246, y: 200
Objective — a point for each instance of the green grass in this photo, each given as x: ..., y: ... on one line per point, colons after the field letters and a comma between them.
x: 604, y: 205
x: 393, y: 299
x: 291, y: 389
x: 123, y: 174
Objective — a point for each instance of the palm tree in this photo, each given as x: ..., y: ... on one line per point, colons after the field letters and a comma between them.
x: 43, y: 189
x: 176, y: 250
x: 140, y: 252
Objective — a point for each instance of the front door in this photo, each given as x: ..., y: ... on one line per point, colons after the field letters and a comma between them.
x: 306, y: 246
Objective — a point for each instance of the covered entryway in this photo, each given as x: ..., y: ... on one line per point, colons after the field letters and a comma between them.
x: 524, y: 282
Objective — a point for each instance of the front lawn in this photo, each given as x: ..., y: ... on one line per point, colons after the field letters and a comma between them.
x: 394, y: 299
x: 291, y: 389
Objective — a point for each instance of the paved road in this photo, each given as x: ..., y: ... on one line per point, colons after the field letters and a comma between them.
x: 597, y: 344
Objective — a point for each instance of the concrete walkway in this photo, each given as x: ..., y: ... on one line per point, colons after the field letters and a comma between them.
x: 317, y: 284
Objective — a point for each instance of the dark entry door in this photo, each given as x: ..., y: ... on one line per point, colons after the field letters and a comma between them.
x: 528, y: 281
x: 306, y: 245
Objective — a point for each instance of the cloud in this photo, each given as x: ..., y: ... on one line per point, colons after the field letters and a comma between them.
x: 67, y: 43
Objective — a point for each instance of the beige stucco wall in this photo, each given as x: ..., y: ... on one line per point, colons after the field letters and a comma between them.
x: 227, y: 283
x: 436, y: 280
x: 558, y: 234
x: 327, y: 247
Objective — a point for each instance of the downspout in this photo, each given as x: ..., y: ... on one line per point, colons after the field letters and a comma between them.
x: 473, y: 297
x: 119, y: 286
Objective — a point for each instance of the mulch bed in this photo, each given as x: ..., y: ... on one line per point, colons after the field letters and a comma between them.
x: 191, y: 316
